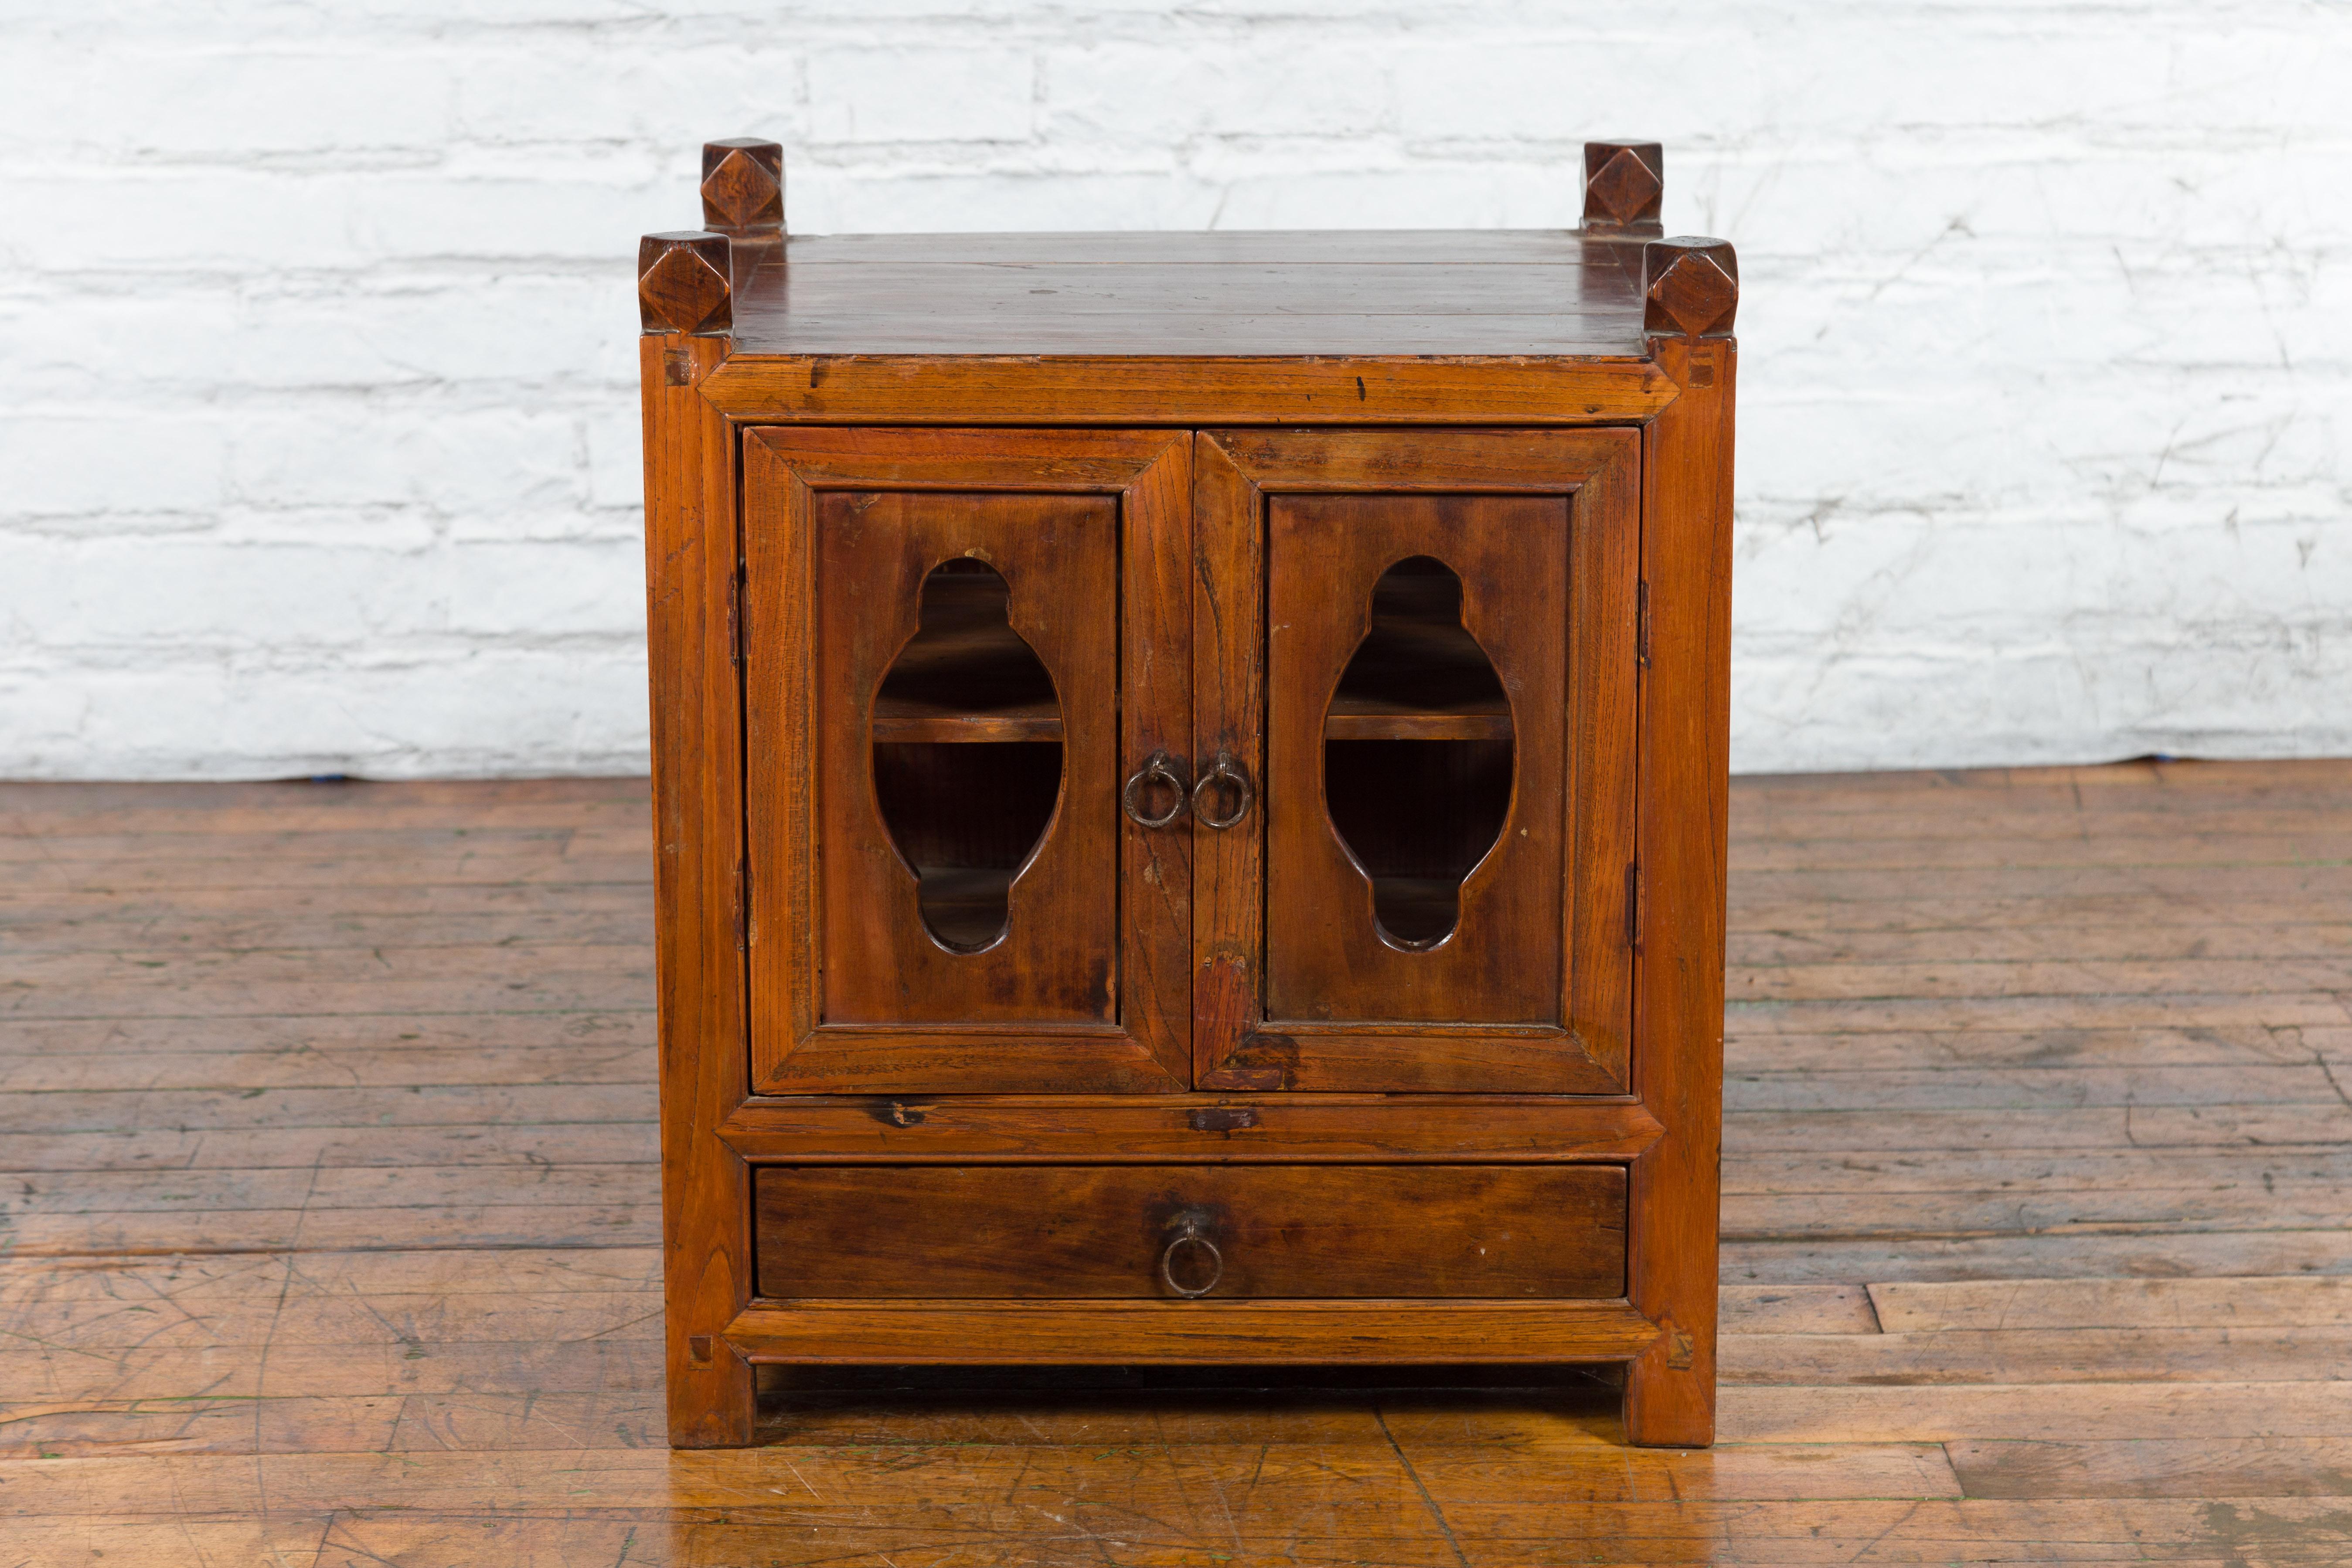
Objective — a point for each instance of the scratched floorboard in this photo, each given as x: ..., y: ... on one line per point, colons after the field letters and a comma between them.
x: 328, y: 1219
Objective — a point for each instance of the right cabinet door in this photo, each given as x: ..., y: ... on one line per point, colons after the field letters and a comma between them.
x: 1417, y: 662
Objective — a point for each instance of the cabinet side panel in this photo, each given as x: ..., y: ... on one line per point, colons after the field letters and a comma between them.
x: 1684, y: 796
x: 691, y: 561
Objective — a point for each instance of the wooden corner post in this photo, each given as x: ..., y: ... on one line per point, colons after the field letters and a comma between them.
x: 1691, y: 290
x: 1624, y: 182
x: 743, y: 187
x: 685, y: 294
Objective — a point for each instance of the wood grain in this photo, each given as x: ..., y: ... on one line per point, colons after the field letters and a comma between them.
x: 1679, y: 980
x: 1369, y: 1331
x: 1254, y: 1233
x: 1051, y: 958
x: 840, y: 970
x: 1498, y: 959
x: 693, y: 549
x: 1141, y: 295
x: 2156, y: 1466
x: 1187, y: 389
x: 436, y: 1401
x: 1241, y: 1042
x: 1232, y: 1127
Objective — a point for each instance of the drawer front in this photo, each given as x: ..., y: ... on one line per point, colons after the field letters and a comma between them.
x: 1175, y: 1231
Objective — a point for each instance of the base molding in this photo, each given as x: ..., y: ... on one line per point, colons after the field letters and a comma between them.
x: 1118, y: 1333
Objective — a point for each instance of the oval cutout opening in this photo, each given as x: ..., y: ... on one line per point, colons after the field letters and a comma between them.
x: 966, y: 755
x: 1417, y: 754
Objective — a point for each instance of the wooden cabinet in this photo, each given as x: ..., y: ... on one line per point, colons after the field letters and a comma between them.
x: 1190, y: 794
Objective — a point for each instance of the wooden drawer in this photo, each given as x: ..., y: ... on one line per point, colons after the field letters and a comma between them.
x: 1125, y: 1231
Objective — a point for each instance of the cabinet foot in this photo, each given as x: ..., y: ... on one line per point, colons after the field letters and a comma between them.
x: 1669, y: 1406
x: 712, y: 1396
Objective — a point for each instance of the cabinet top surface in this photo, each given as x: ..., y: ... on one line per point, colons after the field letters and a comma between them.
x: 1548, y: 292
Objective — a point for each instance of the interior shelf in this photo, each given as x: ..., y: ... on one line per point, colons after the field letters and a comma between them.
x: 911, y: 720
x: 1371, y: 718
x: 967, y: 676
x: 1418, y: 675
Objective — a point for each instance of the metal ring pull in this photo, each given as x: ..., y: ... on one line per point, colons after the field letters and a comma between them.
x: 1225, y: 769
x: 1158, y: 768
x: 1190, y: 1236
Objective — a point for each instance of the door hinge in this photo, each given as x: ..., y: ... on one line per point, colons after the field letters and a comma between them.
x: 742, y: 903
x: 1642, y: 624
x: 735, y: 618
x: 1633, y: 906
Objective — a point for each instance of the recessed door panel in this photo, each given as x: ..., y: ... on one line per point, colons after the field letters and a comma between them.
x: 967, y: 710
x: 957, y: 646
x: 1421, y: 646
x: 1414, y: 830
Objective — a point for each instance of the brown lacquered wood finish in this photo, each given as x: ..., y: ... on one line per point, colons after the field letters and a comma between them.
x: 1560, y: 295
x: 1213, y: 731
x: 1531, y: 993
x: 1087, y: 389
x: 960, y: 881
x: 1429, y: 888
x: 1084, y: 989
x: 1624, y: 182
x: 1194, y: 1335
x: 1686, y: 729
x: 743, y: 185
x: 691, y: 550
x: 1194, y: 1129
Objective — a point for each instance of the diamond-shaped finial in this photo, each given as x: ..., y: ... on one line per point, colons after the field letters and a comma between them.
x: 742, y: 184
x: 1690, y: 287
x: 682, y: 283
x: 1624, y: 184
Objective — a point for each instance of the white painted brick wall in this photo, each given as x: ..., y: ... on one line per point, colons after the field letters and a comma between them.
x: 318, y: 427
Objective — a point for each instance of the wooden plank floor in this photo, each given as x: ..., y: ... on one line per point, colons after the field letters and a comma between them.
x: 328, y: 1218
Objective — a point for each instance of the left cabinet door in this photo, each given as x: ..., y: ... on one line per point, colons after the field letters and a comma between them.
x: 959, y: 647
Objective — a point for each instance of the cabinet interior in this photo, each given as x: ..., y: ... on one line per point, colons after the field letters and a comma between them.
x: 967, y: 755
x: 967, y: 676
x: 1417, y: 753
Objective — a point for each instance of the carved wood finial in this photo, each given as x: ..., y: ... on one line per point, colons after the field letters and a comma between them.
x: 1624, y: 182
x: 1690, y: 287
x: 683, y: 283
x: 743, y: 185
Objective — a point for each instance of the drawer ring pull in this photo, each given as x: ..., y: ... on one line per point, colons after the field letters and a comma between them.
x: 1224, y: 770
x: 1159, y: 768
x: 1190, y: 1236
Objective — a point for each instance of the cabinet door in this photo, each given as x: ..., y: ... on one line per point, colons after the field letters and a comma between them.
x: 959, y: 646
x: 1419, y: 649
